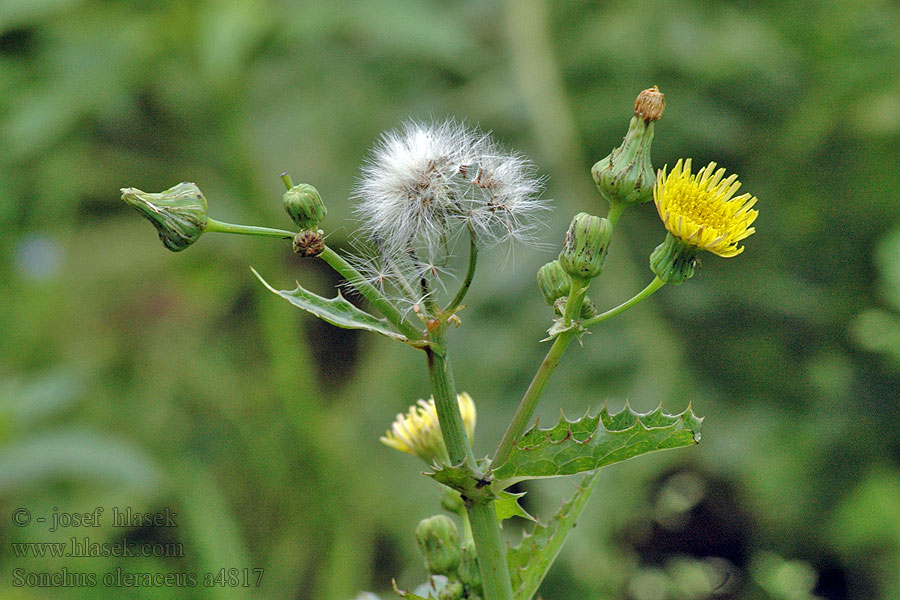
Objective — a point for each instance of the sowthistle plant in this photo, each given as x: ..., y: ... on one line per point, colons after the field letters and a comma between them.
x: 428, y: 190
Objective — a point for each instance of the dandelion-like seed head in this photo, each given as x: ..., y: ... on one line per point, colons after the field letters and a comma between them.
x: 424, y: 183
x: 418, y: 432
x: 702, y: 210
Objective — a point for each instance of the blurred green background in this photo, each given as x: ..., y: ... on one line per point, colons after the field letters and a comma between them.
x: 134, y: 377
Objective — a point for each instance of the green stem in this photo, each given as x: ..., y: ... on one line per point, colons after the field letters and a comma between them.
x: 642, y: 295
x: 370, y: 293
x: 222, y: 227
x: 615, y: 212
x: 482, y: 515
x: 532, y: 395
x: 491, y: 552
x: 470, y: 274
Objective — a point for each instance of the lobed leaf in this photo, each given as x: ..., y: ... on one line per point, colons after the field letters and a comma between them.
x: 592, y: 442
x: 531, y: 559
x: 337, y: 311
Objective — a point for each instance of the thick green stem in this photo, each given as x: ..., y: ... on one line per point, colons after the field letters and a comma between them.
x: 443, y: 389
x: 482, y: 515
x: 491, y: 552
x: 532, y: 395
x: 222, y: 227
x: 642, y: 295
x: 370, y: 293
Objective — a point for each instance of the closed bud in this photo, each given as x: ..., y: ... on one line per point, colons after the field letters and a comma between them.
x: 469, y: 572
x: 553, y: 281
x: 309, y: 243
x: 585, y: 246
x: 304, y: 206
x: 454, y: 590
x: 179, y: 213
x: 626, y: 176
x: 438, y: 540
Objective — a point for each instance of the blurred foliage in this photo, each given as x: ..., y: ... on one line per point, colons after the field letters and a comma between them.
x: 135, y: 377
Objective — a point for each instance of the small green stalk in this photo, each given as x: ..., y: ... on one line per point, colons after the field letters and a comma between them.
x: 370, y: 293
x: 533, y: 394
x: 470, y: 274
x: 615, y: 212
x: 221, y: 227
x: 482, y: 515
x: 642, y: 295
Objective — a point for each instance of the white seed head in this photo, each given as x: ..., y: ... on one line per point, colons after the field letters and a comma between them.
x: 424, y: 183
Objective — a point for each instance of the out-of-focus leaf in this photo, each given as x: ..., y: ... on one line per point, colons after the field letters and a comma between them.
x: 592, y: 442
x: 213, y: 531
x: 75, y: 454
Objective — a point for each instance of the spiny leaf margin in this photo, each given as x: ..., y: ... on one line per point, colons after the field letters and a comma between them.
x: 337, y: 311
x: 591, y: 442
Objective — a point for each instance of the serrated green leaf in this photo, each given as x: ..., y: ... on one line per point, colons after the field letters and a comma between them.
x: 531, y: 559
x: 595, y: 441
x: 336, y: 311
x: 507, y: 505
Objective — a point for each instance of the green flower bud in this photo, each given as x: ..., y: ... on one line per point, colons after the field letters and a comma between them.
x: 439, y: 541
x: 553, y: 281
x: 468, y: 571
x: 179, y: 213
x: 674, y: 260
x: 304, y: 206
x: 309, y: 242
x: 454, y: 590
x: 585, y: 246
x: 626, y: 176
x: 588, y: 308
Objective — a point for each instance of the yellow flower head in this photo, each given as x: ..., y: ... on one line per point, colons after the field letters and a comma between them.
x: 702, y: 211
x: 418, y: 432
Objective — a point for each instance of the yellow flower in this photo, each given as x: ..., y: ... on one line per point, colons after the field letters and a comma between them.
x: 702, y: 211
x: 418, y: 432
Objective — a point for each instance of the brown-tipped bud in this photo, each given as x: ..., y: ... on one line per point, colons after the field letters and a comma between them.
x: 309, y: 243
x: 650, y: 104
